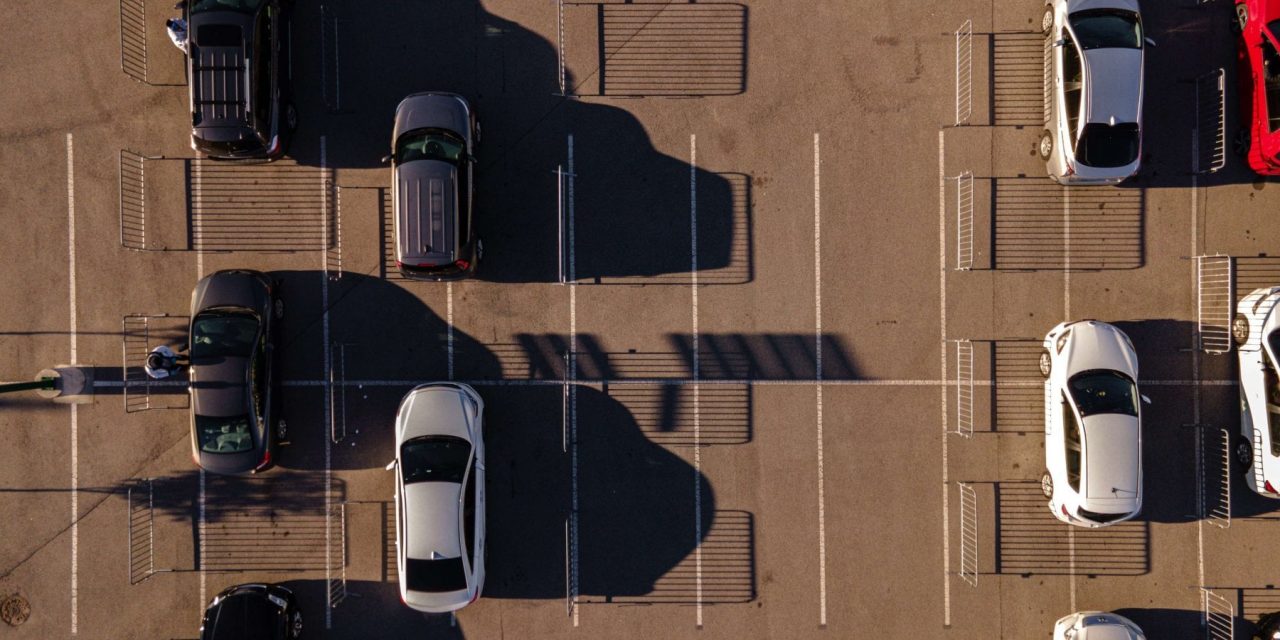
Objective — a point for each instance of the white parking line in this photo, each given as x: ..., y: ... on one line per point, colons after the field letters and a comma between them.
x: 449, y: 325
x: 325, y: 185
x: 75, y: 417
x: 942, y: 340
x: 1071, y: 567
x: 697, y: 409
x: 817, y: 349
x: 573, y: 392
x: 116, y: 384
x: 196, y: 206
x: 200, y: 494
x: 1066, y: 255
x: 200, y: 528
x: 1195, y: 361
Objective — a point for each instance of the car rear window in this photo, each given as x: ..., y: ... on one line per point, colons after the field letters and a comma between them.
x: 219, y: 35
x: 1105, y: 146
x: 220, y: 334
x: 224, y: 434
x: 435, y: 576
x: 1107, y: 29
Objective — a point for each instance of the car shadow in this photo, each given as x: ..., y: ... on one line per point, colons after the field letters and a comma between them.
x: 1165, y: 623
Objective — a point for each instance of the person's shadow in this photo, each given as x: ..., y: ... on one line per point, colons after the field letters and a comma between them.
x: 632, y: 204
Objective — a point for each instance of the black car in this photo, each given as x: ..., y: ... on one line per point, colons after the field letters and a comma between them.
x: 237, y: 74
x: 235, y: 397
x: 252, y: 612
x: 1268, y: 627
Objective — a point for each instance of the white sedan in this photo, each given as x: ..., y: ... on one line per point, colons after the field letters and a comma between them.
x: 1091, y: 625
x: 1256, y: 330
x: 439, y: 497
x: 1092, y: 432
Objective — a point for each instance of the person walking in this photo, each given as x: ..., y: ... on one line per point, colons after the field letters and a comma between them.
x: 162, y: 363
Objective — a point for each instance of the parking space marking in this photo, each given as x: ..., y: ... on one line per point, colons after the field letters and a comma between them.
x: 942, y: 340
x: 200, y: 527
x: 328, y: 368
x: 697, y: 418
x: 535, y: 382
x: 573, y: 391
x: 449, y: 325
x: 1195, y: 357
x: 1066, y: 255
x: 196, y: 209
x: 817, y: 336
x: 75, y: 417
x: 1071, y: 563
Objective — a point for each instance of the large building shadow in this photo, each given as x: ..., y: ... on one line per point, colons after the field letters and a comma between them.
x: 631, y: 203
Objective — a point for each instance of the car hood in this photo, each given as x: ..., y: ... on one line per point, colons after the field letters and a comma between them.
x: 1113, y: 453
x: 432, y: 518
x: 245, y: 289
x: 436, y: 410
x: 426, y: 202
x: 1096, y: 345
x: 433, y: 111
x: 1114, y: 78
x: 219, y: 386
x: 1084, y: 5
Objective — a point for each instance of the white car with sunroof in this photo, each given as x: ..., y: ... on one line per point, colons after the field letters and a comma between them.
x: 1096, y: 625
x: 439, y: 497
x: 1092, y: 431
x: 1256, y: 330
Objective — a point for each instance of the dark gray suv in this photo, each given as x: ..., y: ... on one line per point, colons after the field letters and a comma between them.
x: 432, y: 158
x: 237, y: 72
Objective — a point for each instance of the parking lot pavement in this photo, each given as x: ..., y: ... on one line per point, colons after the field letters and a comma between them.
x: 760, y: 361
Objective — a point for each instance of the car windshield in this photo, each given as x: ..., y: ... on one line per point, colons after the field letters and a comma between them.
x: 243, y: 6
x: 435, y: 576
x: 224, y: 434
x: 434, y: 144
x: 1106, y: 29
x: 221, y: 334
x: 1106, y: 146
x: 434, y: 459
x: 1104, y: 391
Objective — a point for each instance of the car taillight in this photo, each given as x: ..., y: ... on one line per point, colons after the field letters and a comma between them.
x: 462, y: 264
x: 1064, y: 511
x: 266, y: 460
x: 475, y: 597
x: 1270, y: 489
x: 399, y: 264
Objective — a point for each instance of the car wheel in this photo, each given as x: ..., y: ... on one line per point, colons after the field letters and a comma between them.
x: 295, y: 625
x: 278, y: 308
x: 1240, y: 329
x: 1240, y: 143
x: 1046, y: 363
x: 1244, y: 453
x: 282, y: 430
x: 1242, y: 18
x: 477, y: 133
x: 1046, y: 485
x: 291, y: 117
x: 1046, y: 20
x: 1046, y: 145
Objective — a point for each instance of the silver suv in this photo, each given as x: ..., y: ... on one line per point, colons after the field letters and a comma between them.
x: 1093, y: 131
x: 432, y: 159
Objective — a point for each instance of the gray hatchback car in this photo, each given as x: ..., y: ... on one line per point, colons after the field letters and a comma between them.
x: 235, y: 396
x: 432, y: 159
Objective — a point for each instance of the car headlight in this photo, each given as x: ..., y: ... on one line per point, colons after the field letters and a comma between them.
x: 1062, y: 340
x: 277, y: 600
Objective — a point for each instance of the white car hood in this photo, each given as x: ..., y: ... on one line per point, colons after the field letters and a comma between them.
x: 1095, y: 345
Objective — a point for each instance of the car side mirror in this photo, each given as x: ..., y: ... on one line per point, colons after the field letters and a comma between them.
x: 1150, y: 41
x: 386, y: 159
x: 1060, y: 42
x: 1146, y: 400
x: 391, y: 465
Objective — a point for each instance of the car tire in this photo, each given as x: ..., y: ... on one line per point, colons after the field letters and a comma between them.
x: 1241, y: 17
x: 1046, y: 485
x: 1045, y: 148
x: 282, y: 430
x: 478, y: 135
x: 1045, y: 363
x: 1240, y: 143
x: 291, y: 117
x: 1240, y: 329
x: 295, y: 625
x: 277, y: 308
x: 1243, y: 452
x: 1046, y: 20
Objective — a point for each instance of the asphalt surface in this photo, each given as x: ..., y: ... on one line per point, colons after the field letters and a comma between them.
x: 765, y: 427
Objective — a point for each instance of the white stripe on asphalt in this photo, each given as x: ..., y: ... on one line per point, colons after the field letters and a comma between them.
x: 573, y: 390
x: 118, y: 384
x: 697, y: 417
x: 817, y: 349
x: 449, y: 326
x: 942, y: 340
x: 325, y: 185
x: 75, y: 417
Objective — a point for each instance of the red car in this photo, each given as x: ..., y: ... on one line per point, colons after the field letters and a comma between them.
x: 1258, y: 54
